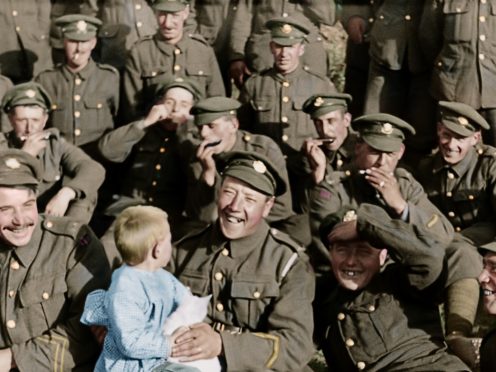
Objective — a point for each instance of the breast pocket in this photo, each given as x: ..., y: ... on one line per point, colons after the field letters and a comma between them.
x: 251, y: 301
x: 467, y: 205
x: 99, y: 117
x: 458, y: 20
x: 264, y: 109
x: 304, y: 126
x: 153, y: 77
x: 196, y: 282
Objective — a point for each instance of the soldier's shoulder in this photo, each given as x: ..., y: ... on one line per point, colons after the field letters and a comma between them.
x: 195, y: 231
x: 61, y: 226
x: 336, y: 177
x: 258, y: 140
x: 198, y: 38
x: 54, y: 70
x: 109, y: 68
x: 5, y: 81
x: 403, y: 174
x: 142, y: 42
x: 286, y: 242
x: 486, y: 151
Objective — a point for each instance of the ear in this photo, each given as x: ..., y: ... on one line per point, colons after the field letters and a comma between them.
x: 45, y: 118
x: 268, y: 206
x: 347, y: 119
x: 401, y: 151
x: 476, y: 138
x: 155, y: 251
x: 382, y: 256
x: 186, y: 12
x: 235, y: 123
x: 93, y: 43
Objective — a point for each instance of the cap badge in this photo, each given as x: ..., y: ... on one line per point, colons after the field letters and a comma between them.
x: 462, y: 120
x: 12, y: 163
x: 350, y: 216
x: 318, y: 102
x: 30, y: 93
x: 259, y: 166
x: 81, y: 26
x: 387, y: 128
x: 286, y: 28
x: 232, y: 112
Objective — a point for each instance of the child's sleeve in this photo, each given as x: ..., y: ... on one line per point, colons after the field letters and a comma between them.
x: 94, y: 312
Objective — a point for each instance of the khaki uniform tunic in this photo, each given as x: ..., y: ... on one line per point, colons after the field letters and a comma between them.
x: 65, y: 165
x: 43, y: 287
x: 84, y: 103
x: 260, y: 283
x: 25, y: 49
x: 5, y: 85
x: 153, y: 61
x: 464, y: 192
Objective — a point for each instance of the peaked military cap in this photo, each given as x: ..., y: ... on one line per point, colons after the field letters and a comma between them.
x: 171, y: 6
x: 185, y: 83
x: 489, y: 247
x: 17, y: 167
x: 383, y: 132
x: 321, y: 104
x: 254, y: 169
x: 287, y: 31
x: 209, y: 109
x: 78, y: 27
x: 345, y: 214
x: 26, y: 94
x: 461, y: 118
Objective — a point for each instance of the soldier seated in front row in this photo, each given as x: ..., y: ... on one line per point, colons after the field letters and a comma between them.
x: 70, y: 179
x: 383, y: 315
x: 49, y: 265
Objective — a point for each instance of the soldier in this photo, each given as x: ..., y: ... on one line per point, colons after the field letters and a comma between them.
x: 70, y: 177
x: 152, y: 148
x: 458, y: 35
x: 273, y: 100
x: 49, y: 265
x: 375, y: 178
x: 248, y: 52
x: 5, y: 85
x: 384, y: 313
x: 260, y: 316
x: 25, y: 48
x: 85, y: 93
x: 218, y: 126
x: 168, y: 54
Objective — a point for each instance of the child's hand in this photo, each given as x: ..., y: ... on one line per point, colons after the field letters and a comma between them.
x: 99, y: 332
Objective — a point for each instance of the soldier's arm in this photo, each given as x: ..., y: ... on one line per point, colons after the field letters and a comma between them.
x: 132, y: 87
x: 68, y: 342
x: 215, y: 85
x: 43, y: 11
x: 241, y: 30
x: 117, y: 144
x: 431, y: 29
x: 287, y: 344
x: 81, y: 173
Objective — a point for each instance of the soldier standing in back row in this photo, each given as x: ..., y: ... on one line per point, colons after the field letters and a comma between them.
x: 169, y: 54
x: 85, y: 94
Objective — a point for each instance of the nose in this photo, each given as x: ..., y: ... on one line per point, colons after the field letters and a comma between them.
x: 350, y: 259
x: 484, y: 276
x: 18, y: 218
x: 236, y: 203
x: 381, y: 160
x: 167, y: 20
x: 204, y: 131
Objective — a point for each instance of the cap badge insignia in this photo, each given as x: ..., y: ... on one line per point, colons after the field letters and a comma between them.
x: 81, y: 26
x: 30, y: 93
x: 387, y: 128
x: 259, y: 167
x: 462, y: 120
x: 318, y: 102
x: 12, y: 163
x: 286, y: 28
x: 350, y: 216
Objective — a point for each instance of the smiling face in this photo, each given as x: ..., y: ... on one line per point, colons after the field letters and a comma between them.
x: 487, y: 281
x: 286, y: 58
x: 367, y: 157
x: 454, y: 147
x: 18, y: 215
x: 333, y: 125
x: 355, y: 263
x: 241, y: 208
x: 171, y: 25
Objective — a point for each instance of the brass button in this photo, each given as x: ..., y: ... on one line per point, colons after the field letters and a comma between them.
x: 154, y: 183
x: 154, y: 73
x: 15, y: 265
x: 11, y: 293
x: 284, y: 137
x: 138, y: 6
x: 158, y: 167
x: 470, y: 197
x: 77, y: 98
x: 371, y: 20
x: 14, y: 13
x: 371, y: 308
x: 349, y: 342
x: 45, y: 295
x: 256, y: 294
x: 200, y: 72
x: 162, y: 149
x: 247, y: 138
x: 361, y: 365
x: 458, y: 229
x: 18, y: 28
x: 99, y: 105
x: 219, y: 307
x: 284, y: 119
x: 177, y: 51
x: 285, y: 14
x: 49, y: 224
x: 458, y: 10
x: 408, y: 17
x: 11, y: 324
x: 440, y: 64
x: 381, y: 17
x: 54, y: 107
x: 77, y: 114
x: 139, y: 24
x: 285, y: 84
x: 451, y: 214
x: 482, y: 37
x: 306, y: 68
x: 150, y: 199
x: 482, y: 56
x: 177, y: 67
x: 77, y: 132
x: 225, y: 252
x: 347, y: 173
x: 449, y: 194
x: 339, y: 163
x: 483, y: 1
x: 77, y: 81
x: 285, y: 99
x: 218, y: 276
x: 451, y: 175
x: 166, y: 139
x: 482, y: 19
x: 341, y: 316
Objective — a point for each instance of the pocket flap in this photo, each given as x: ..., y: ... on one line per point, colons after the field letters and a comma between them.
x: 254, y: 290
x: 261, y: 104
x: 196, y: 282
x: 151, y: 72
x: 198, y: 70
x: 36, y: 291
x: 455, y: 6
x: 94, y: 102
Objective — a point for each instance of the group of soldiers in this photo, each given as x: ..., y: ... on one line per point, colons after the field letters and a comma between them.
x: 308, y: 227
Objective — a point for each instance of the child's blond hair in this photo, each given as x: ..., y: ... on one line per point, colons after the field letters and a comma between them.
x: 137, y: 230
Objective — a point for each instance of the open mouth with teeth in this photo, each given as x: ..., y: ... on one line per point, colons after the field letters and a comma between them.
x: 487, y: 292
x: 233, y: 219
x: 351, y: 273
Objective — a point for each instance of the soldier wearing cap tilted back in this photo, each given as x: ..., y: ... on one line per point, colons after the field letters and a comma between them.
x: 273, y: 100
x: 70, y: 177
x: 49, y: 265
x: 217, y: 122
x: 261, y: 315
x: 85, y: 94
x: 373, y: 177
x: 172, y: 52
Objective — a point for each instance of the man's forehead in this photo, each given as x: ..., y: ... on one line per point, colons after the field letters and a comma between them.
x: 179, y: 93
